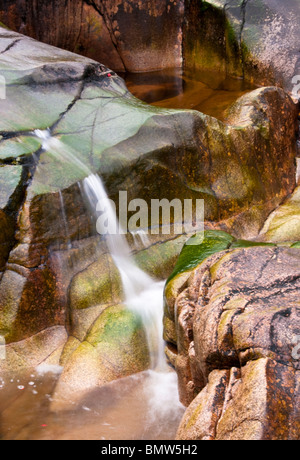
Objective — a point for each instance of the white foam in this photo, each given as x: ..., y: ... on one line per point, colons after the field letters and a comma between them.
x: 44, y: 369
x: 163, y: 399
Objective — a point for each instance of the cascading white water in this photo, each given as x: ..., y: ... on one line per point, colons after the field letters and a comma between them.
x: 143, y: 295
x: 140, y: 237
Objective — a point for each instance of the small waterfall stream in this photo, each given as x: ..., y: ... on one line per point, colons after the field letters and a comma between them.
x: 143, y: 406
x: 143, y: 295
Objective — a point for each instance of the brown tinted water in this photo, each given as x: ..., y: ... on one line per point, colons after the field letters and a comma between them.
x: 141, y: 407
x: 207, y: 92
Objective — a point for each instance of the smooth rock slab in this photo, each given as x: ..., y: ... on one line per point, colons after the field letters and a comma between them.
x: 283, y: 224
x: 115, y: 347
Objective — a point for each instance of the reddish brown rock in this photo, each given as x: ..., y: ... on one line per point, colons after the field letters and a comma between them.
x: 260, y: 402
x: 6, y: 238
x: 237, y: 326
x: 133, y: 35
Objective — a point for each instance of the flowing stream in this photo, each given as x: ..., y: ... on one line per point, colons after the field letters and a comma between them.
x: 143, y: 295
x: 143, y: 406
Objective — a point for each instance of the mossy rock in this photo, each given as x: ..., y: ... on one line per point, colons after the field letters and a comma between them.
x: 296, y: 245
x: 10, y: 177
x: 172, y: 290
x: 249, y: 244
x: 195, y: 251
x: 284, y: 223
x: 199, y: 248
x: 115, y: 347
x: 160, y: 259
x: 99, y: 284
x: 114, y: 324
x: 71, y: 345
x: 82, y: 320
x: 243, y: 38
x: 152, y: 153
x: 11, y: 149
x: 120, y: 340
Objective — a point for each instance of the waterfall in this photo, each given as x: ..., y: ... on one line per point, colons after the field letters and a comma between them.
x: 143, y: 295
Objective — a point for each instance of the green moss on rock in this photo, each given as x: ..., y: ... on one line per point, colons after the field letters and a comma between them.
x: 115, y: 323
x: 99, y: 284
x: 197, y: 249
x: 249, y: 244
x: 296, y: 245
x: 160, y: 259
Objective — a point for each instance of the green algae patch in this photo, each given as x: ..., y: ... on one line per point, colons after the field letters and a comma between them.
x: 214, y: 241
x: 193, y: 253
x: 296, y: 245
x: 119, y: 337
x: 249, y: 244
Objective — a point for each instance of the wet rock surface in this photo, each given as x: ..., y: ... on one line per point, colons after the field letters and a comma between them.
x: 236, y: 323
x: 50, y: 295
x: 132, y: 36
x: 254, y: 39
x: 164, y: 153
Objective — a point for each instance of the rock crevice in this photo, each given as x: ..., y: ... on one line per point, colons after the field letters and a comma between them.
x: 235, y: 335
